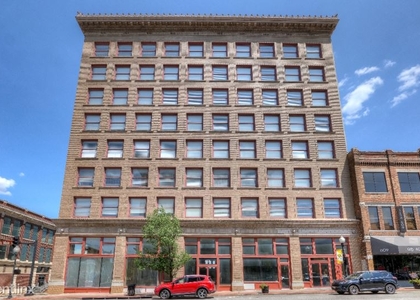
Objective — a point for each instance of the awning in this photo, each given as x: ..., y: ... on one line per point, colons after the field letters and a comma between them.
x: 388, y: 245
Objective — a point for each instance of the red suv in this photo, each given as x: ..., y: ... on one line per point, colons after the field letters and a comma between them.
x: 199, y: 285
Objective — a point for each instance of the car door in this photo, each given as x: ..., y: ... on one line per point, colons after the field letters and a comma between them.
x: 178, y: 286
x: 365, y: 281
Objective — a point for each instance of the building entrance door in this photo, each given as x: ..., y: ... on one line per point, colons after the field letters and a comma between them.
x: 209, y: 269
x: 316, y: 272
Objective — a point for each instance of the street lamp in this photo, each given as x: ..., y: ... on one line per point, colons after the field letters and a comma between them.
x: 342, y: 241
x: 15, y: 251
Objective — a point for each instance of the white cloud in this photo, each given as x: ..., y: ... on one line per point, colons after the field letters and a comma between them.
x: 404, y: 95
x: 353, y: 108
x: 21, y: 174
x: 409, y: 78
x: 366, y: 70
x: 5, y: 184
x: 342, y: 82
x: 388, y: 63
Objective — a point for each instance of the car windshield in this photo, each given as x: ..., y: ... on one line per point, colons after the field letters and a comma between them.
x: 354, y: 276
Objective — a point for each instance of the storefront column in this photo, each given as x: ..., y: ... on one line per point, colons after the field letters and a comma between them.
x: 237, y: 265
x: 58, y: 270
x: 296, y: 264
x: 118, y: 277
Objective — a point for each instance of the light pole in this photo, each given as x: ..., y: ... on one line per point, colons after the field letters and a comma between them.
x: 342, y: 241
x: 15, y: 251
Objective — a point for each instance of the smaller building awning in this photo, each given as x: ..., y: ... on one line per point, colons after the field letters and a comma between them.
x: 388, y: 245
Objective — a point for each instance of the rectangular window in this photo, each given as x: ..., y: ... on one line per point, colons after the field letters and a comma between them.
x: 168, y: 204
x: 243, y: 50
x: 113, y: 177
x: 115, y: 149
x: 292, y: 74
x: 219, y: 50
x: 139, y: 177
x: 322, y: 124
x: 375, y: 182
x: 141, y: 149
x: 304, y: 208
x: 81, y: 207
x: 245, y: 97
x: 220, y: 122
x: 248, y: 177
x: 329, y: 178
x: 195, y: 96
x: 89, y: 149
x: 387, y: 217
x: 92, y: 122
x: 144, y: 122
x: 195, y: 73
x: 273, y: 150
x: 325, y: 150
x: 249, y: 208
x: 290, y: 51
x: 170, y: 73
x: 110, y: 207
x: 138, y: 207
x: 243, y: 73
x: 145, y: 97
x: 246, y: 123
x: 122, y: 72
x: 170, y: 96
x: 302, y: 178
x: 313, y: 51
x: 221, y: 207
x: 117, y: 122
x: 194, y: 149
x: 277, y: 207
x: 409, y: 218
x: 194, y: 122
x: 297, y: 123
x: 275, y: 178
x: 96, y: 96
x: 266, y: 50
x: 221, y: 177
x: 169, y: 122
x: 7, y: 223
x: 332, y: 208
x: 120, y: 96
x: 316, y: 74
x: 193, y: 208
x: 193, y: 177
x: 98, y: 72
x: 409, y: 182
x: 147, y: 72
x: 272, y: 123
x: 101, y: 49
x: 85, y: 176
x: 220, y: 149
x: 220, y: 97
x: 374, y: 218
x: 268, y: 73
x: 319, y: 98
x: 220, y: 73
x: 166, y: 177
x: 171, y: 49
x: 167, y: 149
x: 300, y: 150
x: 247, y: 149
x: 269, y: 97
x: 294, y: 98
x: 148, y: 49
x: 125, y: 49
x: 195, y: 49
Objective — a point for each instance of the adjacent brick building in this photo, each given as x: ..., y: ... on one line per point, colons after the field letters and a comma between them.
x: 231, y: 123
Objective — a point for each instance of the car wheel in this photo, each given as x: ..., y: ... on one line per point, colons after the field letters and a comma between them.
x: 390, y: 289
x: 202, y: 293
x: 165, y: 294
x: 341, y: 293
x: 353, y: 290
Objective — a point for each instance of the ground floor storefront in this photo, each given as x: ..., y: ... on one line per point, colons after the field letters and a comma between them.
x: 238, y: 257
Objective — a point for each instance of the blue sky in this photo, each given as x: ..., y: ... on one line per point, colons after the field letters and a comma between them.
x: 377, y: 55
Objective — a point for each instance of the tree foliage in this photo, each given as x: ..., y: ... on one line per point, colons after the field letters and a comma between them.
x: 161, y: 251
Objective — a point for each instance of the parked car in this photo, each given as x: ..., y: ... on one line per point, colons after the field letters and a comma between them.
x: 366, y: 281
x: 199, y: 285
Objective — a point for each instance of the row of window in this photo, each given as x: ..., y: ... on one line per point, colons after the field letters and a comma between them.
x: 30, y: 231
x: 198, y: 73
x: 219, y: 122
x: 26, y: 253
x: 199, y: 49
x: 220, y: 149
x: 220, y: 178
x: 221, y: 207
x: 382, y: 217
x: 375, y: 182
x: 219, y: 97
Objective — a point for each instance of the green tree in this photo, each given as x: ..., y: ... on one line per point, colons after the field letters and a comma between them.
x: 161, y: 251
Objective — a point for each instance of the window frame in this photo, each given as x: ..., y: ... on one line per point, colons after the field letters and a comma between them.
x: 172, y: 151
x: 128, y: 52
x: 278, y: 150
x: 249, y: 205
x: 170, y: 72
x: 220, y: 73
x: 332, y: 208
x: 329, y: 178
x: 221, y: 175
x: 272, y: 121
x: 275, y: 175
x: 267, y: 50
x: 109, y: 210
x: 172, y: 49
x: 223, y: 52
x: 294, y: 98
x: 319, y: 101
x: 316, y: 74
x: 142, y: 209
x: 200, y: 52
x: 147, y: 72
x: 117, y: 121
x: 92, y: 125
x: 140, y: 175
x: 374, y: 220
x: 119, y: 96
x: 194, y: 122
x: 248, y: 174
x: 170, y: 96
x: 290, y: 74
x: 243, y: 50
x: 297, y: 122
x: 85, y: 176
x: 190, y: 149
x: 145, y: 96
x: 277, y: 207
x: 86, y: 149
x: 115, y: 149
x: 169, y: 122
x: 169, y: 206
x: 221, y: 99
x: 221, y: 210
x: 323, y: 153
x: 218, y: 122
x: 247, y: 149
x: 112, y: 177
x: 195, y: 73
x: 222, y: 151
x: 322, y: 123
x: 144, y: 124
x: 374, y: 184
x: 98, y: 72
x: 101, y: 49
x: 305, y: 211
x: 141, y: 147
x: 95, y: 96
x: 270, y: 97
x: 302, y: 178
x: 85, y: 205
x: 167, y: 175
x: 148, y: 52
x: 313, y: 54
x: 300, y: 149
x: 194, y: 176
x: 290, y: 50
x: 195, y: 96
x: 244, y: 73
x: 409, y: 182
x: 244, y: 125
x: 122, y: 72
x: 194, y: 206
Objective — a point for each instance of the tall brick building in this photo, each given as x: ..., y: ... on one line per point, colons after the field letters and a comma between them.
x: 386, y: 193
x: 231, y: 123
